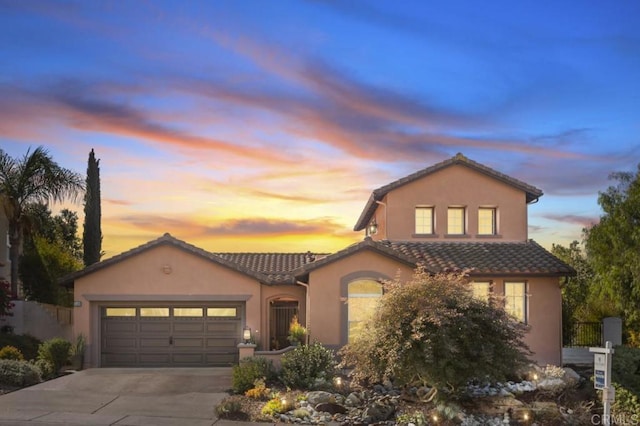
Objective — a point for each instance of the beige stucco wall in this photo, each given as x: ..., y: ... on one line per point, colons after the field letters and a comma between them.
x: 328, y: 308
x: 544, y: 316
x: 141, y: 278
x: 328, y: 311
x: 453, y: 186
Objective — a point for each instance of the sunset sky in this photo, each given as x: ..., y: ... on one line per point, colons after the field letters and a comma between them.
x: 264, y: 126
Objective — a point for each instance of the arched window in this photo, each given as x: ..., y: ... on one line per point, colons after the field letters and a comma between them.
x: 363, y: 295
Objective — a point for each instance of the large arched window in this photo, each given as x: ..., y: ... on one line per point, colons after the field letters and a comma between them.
x: 363, y: 295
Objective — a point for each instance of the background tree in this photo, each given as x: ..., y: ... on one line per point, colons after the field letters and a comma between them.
x: 613, y: 248
x: 51, y: 250
x: 35, y: 178
x: 575, y: 290
x: 92, y: 235
x: 432, y: 331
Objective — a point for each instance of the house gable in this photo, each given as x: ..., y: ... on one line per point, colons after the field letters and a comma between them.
x: 455, y: 182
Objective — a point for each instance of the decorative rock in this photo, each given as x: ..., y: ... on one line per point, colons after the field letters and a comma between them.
x: 331, y: 407
x: 571, y: 378
x: 378, y: 412
x: 551, y: 385
x: 352, y: 400
x: 319, y: 397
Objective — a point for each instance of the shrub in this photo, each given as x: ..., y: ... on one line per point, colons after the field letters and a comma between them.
x: 230, y: 408
x: 26, y: 344
x: 55, y: 351
x: 11, y: 352
x: 297, y: 332
x: 46, y: 368
x: 5, y: 298
x: 626, y: 403
x: 18, y: 373
x: 625, y: 368
x: 250, y: 369
x: 431, y: 331
x: 277, y: 405
x: 307, y: 364
x: 259, y: 390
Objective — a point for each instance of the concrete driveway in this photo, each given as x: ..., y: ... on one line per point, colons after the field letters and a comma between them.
x: 121, y: 396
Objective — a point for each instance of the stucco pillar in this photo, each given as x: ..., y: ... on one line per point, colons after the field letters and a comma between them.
x: 246, y: 350
x: 612, y: 330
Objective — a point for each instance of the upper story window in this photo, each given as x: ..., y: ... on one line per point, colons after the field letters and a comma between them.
x: 362, y: 300
x: 487, y: 221
x: 481, y: 290
x: 456, y: 221
x: 424, y: 220
x: 515, y: 300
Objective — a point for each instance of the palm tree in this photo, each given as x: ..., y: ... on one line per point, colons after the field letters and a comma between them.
x: 35, y: 178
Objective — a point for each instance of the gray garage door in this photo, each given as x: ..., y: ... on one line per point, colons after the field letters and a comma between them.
x: 163, y: 335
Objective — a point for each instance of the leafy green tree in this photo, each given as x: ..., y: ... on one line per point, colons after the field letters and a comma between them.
x: 92, y: 235
x: 432, y: 331
x: 51, y: 250
x: 35, y: 178
x: 576, y: 289
x: 613, y: 248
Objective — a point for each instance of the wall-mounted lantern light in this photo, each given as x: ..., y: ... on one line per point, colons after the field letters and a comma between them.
x: 373, y: 228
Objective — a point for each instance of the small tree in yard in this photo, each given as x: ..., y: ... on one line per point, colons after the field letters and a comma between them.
x: 431, y: 331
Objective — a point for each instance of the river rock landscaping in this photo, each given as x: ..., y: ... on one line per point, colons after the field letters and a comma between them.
x: 549, y: 396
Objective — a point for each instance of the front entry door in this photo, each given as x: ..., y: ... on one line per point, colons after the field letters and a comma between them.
x: 282, y: 313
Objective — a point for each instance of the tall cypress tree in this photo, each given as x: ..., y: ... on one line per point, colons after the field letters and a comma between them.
x: 92, y: 235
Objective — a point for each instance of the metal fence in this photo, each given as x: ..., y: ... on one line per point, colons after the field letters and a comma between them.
x: 583, y: 334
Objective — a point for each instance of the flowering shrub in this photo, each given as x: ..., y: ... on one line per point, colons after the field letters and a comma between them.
x: 297, y: 332
x: 11, y: 352
x: 245, y: 374
x: 5, y: 298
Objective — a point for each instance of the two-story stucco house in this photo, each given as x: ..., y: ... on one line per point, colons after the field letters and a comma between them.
x: 168, y: 303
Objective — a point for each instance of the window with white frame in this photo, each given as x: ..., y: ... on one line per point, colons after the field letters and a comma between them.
x: 515, y: 300
x: 424, y: 220
x: 363, y: 296
x: 456, y: 221
x: 487, y: 221
x: 481, y: 290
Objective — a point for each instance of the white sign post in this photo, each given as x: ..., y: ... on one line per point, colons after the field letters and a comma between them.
x: 602, y: 378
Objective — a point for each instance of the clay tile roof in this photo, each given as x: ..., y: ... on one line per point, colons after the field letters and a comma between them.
x: 484, y: 258
x: 277, y: 267
x: 268, y: 268
x: 532, y: 192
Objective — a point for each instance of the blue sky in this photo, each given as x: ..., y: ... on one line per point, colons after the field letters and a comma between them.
x: 253, y: 126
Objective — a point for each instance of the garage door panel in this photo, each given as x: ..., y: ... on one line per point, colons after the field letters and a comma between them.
x: 155, y: 327
x: 193, y: 342
x: 114, y: 326
x: 147, y: 342
x: 121, y: 359
x: 180, y: 340
x: 114, y: 342
x: 153, y: 358
x: 192, y: 327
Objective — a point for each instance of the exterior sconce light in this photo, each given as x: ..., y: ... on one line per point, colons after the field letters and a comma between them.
x: 166, y: 268
x: 373, y: 228
x: 246, y: 334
